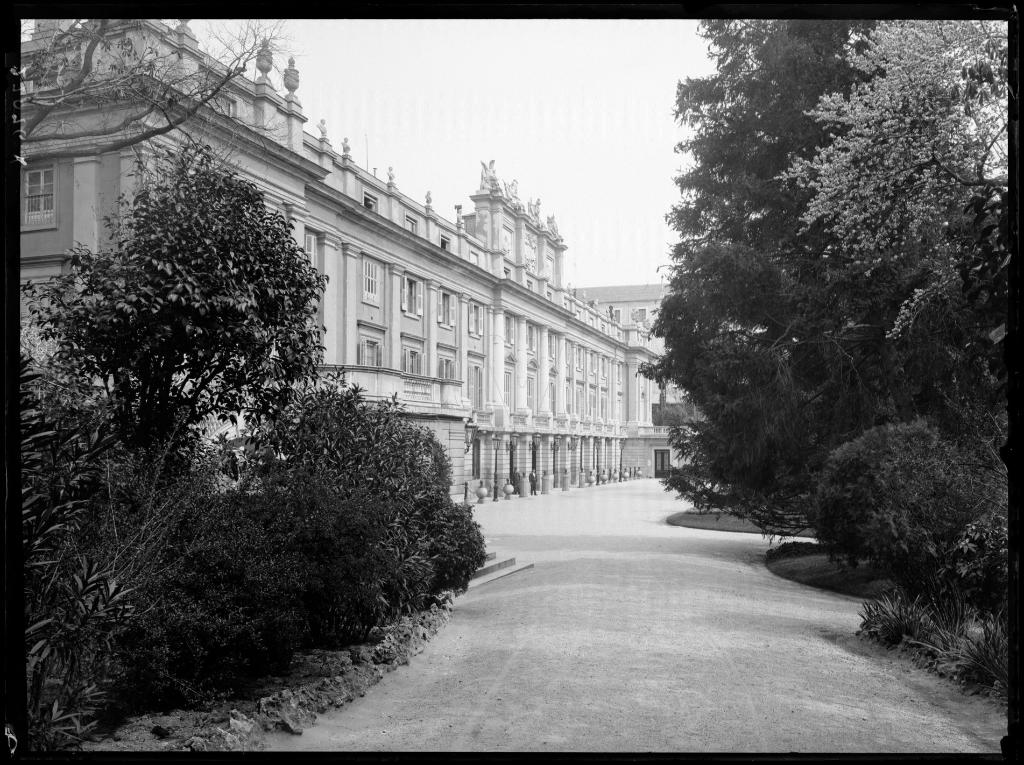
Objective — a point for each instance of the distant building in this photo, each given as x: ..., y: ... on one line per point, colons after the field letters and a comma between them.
x: 466, y: 320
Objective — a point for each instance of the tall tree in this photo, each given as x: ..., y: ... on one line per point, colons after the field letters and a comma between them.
x: 745, y: 324
x: 202, y: 305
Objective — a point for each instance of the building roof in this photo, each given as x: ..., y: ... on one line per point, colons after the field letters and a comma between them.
x: 627, y: 293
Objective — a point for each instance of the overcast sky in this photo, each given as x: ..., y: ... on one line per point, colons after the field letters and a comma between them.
x: 578, y: 111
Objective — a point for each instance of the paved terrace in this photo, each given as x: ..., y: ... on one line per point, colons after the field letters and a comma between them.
x: 632, y: 635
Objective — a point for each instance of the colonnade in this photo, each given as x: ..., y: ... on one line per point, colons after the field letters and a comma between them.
x: 560, y: 462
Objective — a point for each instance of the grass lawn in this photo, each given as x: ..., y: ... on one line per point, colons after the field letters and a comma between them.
x: 716, y: 522
x: 817, y: 570
x: 811, y: 568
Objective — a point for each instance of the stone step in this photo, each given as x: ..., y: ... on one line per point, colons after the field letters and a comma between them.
x: 499, y: 574
x: 490, y: 556
x: 495, y: 566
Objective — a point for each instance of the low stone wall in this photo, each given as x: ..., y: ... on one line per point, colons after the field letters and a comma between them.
x: 341, y: 677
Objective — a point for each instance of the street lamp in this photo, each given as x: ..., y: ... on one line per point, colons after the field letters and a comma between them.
x: 497, y: 445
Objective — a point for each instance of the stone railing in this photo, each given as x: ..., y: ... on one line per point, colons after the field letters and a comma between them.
x: 416, y: 390
x: 541, y: 421
x: 521, y: 421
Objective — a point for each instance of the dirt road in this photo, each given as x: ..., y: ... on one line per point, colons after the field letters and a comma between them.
x: 631, y: 635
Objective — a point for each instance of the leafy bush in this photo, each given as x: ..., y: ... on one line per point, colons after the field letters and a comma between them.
x: 986, y: 656
x: 792, y: 550
x: 386, y: 537
x: 976, y: 563
x: 894, y: 616
x: 73, y: 604
x: 224, y: 605
x: 899, y: 496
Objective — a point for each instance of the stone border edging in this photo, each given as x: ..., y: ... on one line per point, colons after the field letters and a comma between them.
x: 293, y: 709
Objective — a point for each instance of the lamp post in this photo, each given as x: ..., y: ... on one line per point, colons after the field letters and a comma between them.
x: 622, y: 453
x: 554, y: 462
x: 511, y: 461
x: 497, y: 445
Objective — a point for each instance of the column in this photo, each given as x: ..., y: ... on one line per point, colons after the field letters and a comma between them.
x: 334, y: 295
x: 353, y: 296
x: 613, y: 390
x: 631, y: 393
x: 487, y: 460
x: 571, y: 403
x: 496, y: 361
x: 559, y: 401
x: 563, y: 462
x: 395, y: 324
x: 430, y: 317
x: 543, y: 372
x: 521, y: 362
x: 85, y: 223
x: 550, y: 480
x: 499, y: 457
x: 463, y: 360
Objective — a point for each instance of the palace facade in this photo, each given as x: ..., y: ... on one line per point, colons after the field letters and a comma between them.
x: 467, y: 320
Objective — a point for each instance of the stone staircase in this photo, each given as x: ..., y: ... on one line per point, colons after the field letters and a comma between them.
x: 496, y: 567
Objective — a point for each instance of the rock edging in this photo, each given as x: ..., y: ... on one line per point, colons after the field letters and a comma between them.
x: 356, y: 669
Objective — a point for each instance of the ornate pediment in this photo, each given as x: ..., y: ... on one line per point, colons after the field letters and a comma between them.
x: 511, y: 358
x: 532, y: 364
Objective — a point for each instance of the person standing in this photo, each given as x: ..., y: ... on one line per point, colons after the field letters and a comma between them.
x: 533, y: 482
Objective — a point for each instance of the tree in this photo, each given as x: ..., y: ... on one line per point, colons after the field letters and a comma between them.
x: 915, y: 180
x: 202, y: 304
x: 108, y: 84
x: 747, y: 331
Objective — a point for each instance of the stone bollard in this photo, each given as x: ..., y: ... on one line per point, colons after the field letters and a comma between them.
x: 546, y: 483
x: 565, y: 479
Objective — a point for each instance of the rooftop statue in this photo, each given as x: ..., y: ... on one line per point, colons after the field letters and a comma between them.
x: 391, y: 176
x: 489, y: 178
x: 552, y: 226
x: 345, y: 148
x: 323, y: 129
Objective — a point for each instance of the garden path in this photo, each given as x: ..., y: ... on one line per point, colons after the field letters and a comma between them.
x: 632, y: 635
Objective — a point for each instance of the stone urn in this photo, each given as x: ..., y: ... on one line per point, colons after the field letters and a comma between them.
x: 590, y: 478
x: 509, y: 490
x: 615, y: 475
x: 481, y: 492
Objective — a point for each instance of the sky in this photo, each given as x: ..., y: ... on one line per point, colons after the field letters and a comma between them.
x: 580, y: 112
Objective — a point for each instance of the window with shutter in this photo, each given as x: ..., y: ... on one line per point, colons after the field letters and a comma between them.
x: 419, y: 298
x: 405, y: 294
x: 40, y: 199
x: 371, y: 290
x: 442, y: 298
x: 453, y: 310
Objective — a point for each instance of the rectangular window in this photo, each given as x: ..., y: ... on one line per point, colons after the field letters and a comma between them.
x: 412, y: 296
x: 412, y: 361
x: 641, y: 314
x: 446, y: 306
x: 531, y: 337
x: 617, y: 315
x: 40, y: 198
x: 508, y: 389
x: 510, y: 330
x: 531, y: 386
x: 368, y: 353
x: 446, y: 368
x: 371, y: 281
x: 370, y: 202
x: 311, y: 249
x: 474, y: 257
x: 476, y: 386
x: 476, y: 319
x: 410, y: 223
x: 446, y: 243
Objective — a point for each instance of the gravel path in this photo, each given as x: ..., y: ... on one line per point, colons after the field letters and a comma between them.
x: 632, y: 635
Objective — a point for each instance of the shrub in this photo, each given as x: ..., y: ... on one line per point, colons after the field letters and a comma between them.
x: 73, y: 603
x: 893, y: 616
x: 899, y: 496
x: 792, y: 550
x: 223, y: 606
x: 386, y: 536
x: 986, y: 654
x: 976, y: 563
x: 456, y: 546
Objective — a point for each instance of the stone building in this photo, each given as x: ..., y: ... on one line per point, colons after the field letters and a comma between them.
x: 467, y: 320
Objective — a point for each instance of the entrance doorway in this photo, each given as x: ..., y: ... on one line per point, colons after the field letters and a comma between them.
x: 662, y: 462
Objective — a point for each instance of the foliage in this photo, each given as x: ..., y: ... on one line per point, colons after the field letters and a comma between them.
x: 202, y: 305
x: 976, y: 563
x: 73, y: 605
x: 956, y: 640
x: 388, y: 538
x: 899, y: 496
x: 747, y: 329
x: 221, y: 605
x: 894, y: 616
x: 792, y: 549
x: 842, y: 255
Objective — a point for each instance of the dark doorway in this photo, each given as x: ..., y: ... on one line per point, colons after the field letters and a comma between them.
x: 662, y: 462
